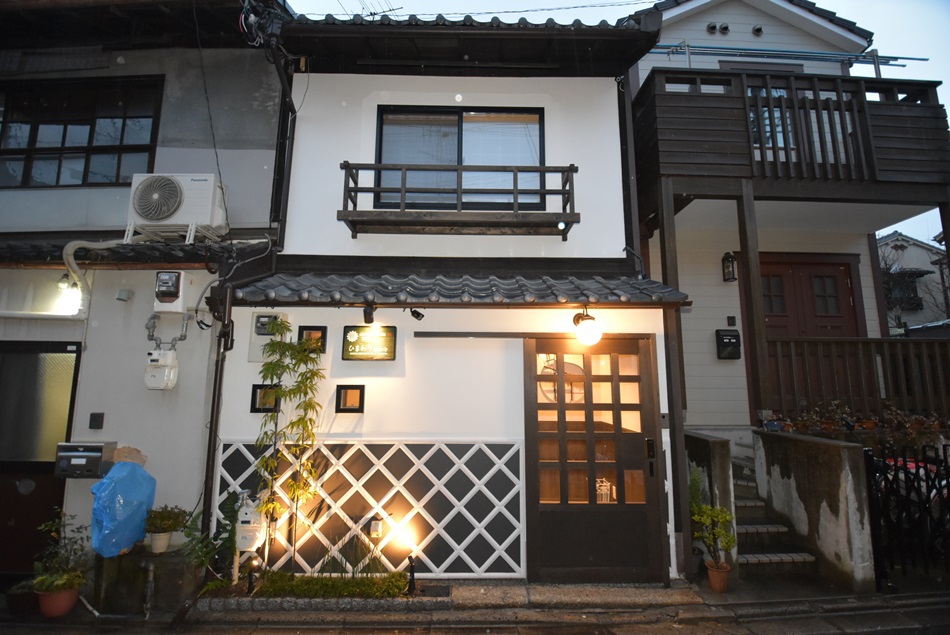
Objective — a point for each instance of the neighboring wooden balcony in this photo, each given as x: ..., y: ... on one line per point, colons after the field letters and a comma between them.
x: 865, y: 374
x: 464, y: 199
x: 850, y: 138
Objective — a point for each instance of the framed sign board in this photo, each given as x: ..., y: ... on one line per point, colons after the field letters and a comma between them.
x: 369, y: 343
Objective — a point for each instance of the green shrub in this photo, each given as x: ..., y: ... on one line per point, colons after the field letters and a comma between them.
x: 285, y: 584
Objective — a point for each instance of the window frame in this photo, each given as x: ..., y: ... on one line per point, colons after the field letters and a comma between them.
x: 459, y: 112
x: 35, y: 91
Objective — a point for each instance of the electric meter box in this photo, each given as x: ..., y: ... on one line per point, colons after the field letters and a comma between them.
x: 171, y: 289
x: 161, y: 369
x: 251, y: 528
x: 259, y: 333
x: 83, y: 460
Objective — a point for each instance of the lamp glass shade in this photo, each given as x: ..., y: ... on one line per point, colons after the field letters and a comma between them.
x: 588, y: 331
x: 729, y: 267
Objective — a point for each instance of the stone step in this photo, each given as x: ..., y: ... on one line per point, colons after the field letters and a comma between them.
x: 776, y: 564
x: 764, y: 537
x: 750, y: 510
x: 743, y: 468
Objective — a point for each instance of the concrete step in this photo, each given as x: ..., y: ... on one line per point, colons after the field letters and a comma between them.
x: 777, y: 563
x: 764, y: 538
x: 744, y: 488
x: 743, y: 468
x: 750, y: 511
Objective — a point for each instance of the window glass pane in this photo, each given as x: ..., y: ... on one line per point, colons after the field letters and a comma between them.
x: 600, y: 364
x: 576, y: 450
x: 548, y: 450
x: 547, y: 421
x: 577, y: 486
x: 576, y: 420
x: 420, y: 138
x: 77, y: 134
x: 49, y: 135
x: 635, y: 484
x: 603, y: 420
x: 629, y: 364
x: 11, y: 171
x: 71, y: 170
x: 605, y: 450
x: 44, y: 171
x: 138, y: 131
x: 15, y: 135
x: 629, y: 392
x: 606, y: 486
x: 102, y: 168
x: 601, y: 392
x: 133, y: 163
x: 630, y: 420
x: 501, y: 138
x: 108, y: 132
x: 550, y: 486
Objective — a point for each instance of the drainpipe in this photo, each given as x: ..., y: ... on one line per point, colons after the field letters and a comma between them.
x: 285, y: 145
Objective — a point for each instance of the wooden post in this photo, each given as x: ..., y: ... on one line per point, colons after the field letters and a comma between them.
x: 675, y: 381
x: 750, y: 277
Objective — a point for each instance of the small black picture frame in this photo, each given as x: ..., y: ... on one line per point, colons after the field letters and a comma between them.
x: 350, y: 398
x: 264, y: 398
x: 313, y: 333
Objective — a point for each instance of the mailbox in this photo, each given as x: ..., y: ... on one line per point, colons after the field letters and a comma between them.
x: 728, y: 345
x: 83, y: 460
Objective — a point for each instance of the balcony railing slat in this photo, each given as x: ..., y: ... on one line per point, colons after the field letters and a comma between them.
x: 868, y: 375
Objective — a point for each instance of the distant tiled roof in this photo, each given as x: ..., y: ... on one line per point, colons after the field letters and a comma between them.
x: 449, y: 289
x: 51, y: 251
x: 811, y: 7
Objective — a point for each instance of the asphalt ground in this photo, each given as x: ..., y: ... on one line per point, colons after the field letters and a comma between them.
x: 756, y: 606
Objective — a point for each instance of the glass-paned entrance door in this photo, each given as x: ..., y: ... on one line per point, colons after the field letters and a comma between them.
x: 591, y: 446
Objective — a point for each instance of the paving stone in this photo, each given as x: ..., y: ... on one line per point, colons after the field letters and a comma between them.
x: 866, y: 622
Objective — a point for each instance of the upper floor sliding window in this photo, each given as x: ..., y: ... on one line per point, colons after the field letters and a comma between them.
x: 77, y: 132
x: 510, y: 140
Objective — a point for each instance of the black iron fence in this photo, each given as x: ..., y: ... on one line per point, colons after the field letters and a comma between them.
x: 909, y: 493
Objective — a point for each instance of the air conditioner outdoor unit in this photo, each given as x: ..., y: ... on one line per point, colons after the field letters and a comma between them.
x: 175, y: 205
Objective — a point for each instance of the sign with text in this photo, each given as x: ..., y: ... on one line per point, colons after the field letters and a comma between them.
x: 372, y: 343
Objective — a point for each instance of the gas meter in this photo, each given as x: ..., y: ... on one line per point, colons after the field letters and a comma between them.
x: 161, y: 369
x: 251, y: 528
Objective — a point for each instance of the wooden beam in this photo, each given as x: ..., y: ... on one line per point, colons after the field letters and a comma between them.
x: 750, y: 275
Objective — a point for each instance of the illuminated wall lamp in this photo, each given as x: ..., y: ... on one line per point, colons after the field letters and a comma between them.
x: 376, y: 528
x: 729, y: 267
x: 587, y: 330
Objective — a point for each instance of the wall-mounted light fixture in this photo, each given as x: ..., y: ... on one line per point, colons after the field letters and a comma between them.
x: 587, y: 330
x: 376, y: 528
x: 368, y: 312
x: 729, y: 267
x: 416, y: 313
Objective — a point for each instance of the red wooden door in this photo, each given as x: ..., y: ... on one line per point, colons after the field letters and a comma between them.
x: 804, y: 299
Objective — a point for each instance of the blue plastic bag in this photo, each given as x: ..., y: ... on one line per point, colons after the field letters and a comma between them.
x: 122, y: 501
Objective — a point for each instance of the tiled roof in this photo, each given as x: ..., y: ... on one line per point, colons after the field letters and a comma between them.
x: 24, y: 252
x: 811, y: 7
x: 449, y: 289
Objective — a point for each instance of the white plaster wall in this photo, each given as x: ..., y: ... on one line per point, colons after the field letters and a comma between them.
x: 716, y: 390
x: 168, y: 426
x: 337, y: 119
x: 783, y: 29
x: 436, y: 389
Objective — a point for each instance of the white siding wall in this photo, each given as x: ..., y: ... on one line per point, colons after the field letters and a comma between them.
x: 717, y: 393
x: 337, y: 122
x: 741, y: 17
x: 436, y: 389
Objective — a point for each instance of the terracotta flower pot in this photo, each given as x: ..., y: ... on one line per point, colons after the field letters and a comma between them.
x: 718, y: 576
x: 57, y: 603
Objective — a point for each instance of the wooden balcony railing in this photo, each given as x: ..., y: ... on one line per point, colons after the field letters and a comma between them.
x: 829, y: 130
x: 462, y: 199
x: 866, y: 374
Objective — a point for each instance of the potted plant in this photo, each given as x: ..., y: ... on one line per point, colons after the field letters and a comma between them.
x: 61, y: 569
x: 712, y: 526
x: 161, y: 522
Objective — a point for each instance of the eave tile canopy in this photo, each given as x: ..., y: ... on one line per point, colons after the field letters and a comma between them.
x: 470, y: 47
x: 447, y: 289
